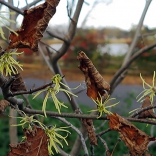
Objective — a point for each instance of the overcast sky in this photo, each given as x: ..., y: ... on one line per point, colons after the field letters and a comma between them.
x: 118, y: 13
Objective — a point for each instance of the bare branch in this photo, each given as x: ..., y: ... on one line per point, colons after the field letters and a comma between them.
x: 103, y: 132
x: 119, y: 74
x: 149, y: 34
x: 117, y: 80
x: 67, y: 115
x: 105, y: 145
x: 71, y: 33
x: 20, y: 11
x: 31, y: 4
x: 5, y: 85
x: 55, y: 57
x: 142, y: 110
x: 58, y: 36
x: 62, y: 153
x: 92, y: 150
x: 44, y: 57
x: 83, y: 116
x: 31, y: 90
x: 137, y: 34
x: 11, y: 7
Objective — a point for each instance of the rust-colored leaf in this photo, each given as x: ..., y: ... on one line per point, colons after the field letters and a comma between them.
x: 94, y: 81
x: 148, y: 113
x: 36, y: 144
x: 3, y: 105
x: 18, y: 84
x: 34, y: 24
x: 135, y: 139
x: 90, y: 130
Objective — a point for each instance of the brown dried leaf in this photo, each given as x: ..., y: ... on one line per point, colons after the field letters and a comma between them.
x: 36, y: 144
x: 18, y: 84
x: 3, y: 105
x: 135, y: 139
x: 34, y: 24
x: 148, y: 113
x: 94, y: 81
x: 90, y: 130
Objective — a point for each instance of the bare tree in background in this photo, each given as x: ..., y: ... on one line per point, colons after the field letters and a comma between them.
x: 52, y: 63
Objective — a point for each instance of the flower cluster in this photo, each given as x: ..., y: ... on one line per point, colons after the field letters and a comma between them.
x: 52, y: 91
x: 27, y: 121
x: 55, y: 138
x: 148, y: 90
x: 101, y: 106
x: 8, y: 64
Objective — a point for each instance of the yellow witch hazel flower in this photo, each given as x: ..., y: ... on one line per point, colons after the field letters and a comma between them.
x: 26, y: 121
x: 55, y: 138
x: 151, y: 90
x: 101, y: 106
x: 8, y: 64
x: 52, y: 91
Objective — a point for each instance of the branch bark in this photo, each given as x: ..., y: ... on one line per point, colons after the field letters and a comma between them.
x: 119, y: 74
x: 86, y: 116
x: 67, y: 40
x: 117, y: 80
x: 137, y: 33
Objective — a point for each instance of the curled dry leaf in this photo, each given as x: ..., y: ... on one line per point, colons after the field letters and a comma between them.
x: 18, y: 84
x: 148, y: 113
x: 34, y: 24
x: 135, y: 139
x: 3, y: 105
x: 95, y: 82
x: 36, y: 144
x: 90, y: 130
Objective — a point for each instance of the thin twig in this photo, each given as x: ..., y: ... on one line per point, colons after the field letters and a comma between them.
x: 31, y: 4
x: 105, y: 145
x: 137, y: 34
x: 117, y: 79
x: 103, y: 132
x: 31, y: 90
x: 149, y: 34
x: 101, y: 126
x: 62, y: 153
x: 92, y: 150
x: 69, y: 11
x: 58, y: 36
x: 44, y: 57
x: 11, y: 7
x: 119, y: 75
x: 142, y: 110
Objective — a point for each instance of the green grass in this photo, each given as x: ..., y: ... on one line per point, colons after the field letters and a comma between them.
x: 111, y: 137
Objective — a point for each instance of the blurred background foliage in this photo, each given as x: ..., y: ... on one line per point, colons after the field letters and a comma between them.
x: 104, y: 47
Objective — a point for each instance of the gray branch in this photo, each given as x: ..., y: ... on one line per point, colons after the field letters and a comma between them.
x: 119, y: 74
x: 137, y: 34
x: 117, y: 80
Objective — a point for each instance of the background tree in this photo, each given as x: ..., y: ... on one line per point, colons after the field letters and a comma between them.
x: 97, y: 88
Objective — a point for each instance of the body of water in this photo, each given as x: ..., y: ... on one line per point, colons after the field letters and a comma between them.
x: 112, y: 48
x: 115, y: 48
